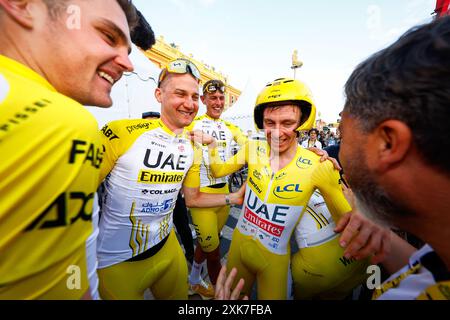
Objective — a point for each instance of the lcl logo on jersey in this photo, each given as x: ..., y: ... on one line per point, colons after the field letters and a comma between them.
x: 287, y: 192
x: 303, y: 163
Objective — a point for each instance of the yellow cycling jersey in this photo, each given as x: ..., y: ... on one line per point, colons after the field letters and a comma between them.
x: 146, y: 165
x: 274, y: 201
x: 225, y: 133
x: 51, y: 155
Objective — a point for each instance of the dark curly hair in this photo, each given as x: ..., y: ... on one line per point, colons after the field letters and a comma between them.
x: 143, y: 35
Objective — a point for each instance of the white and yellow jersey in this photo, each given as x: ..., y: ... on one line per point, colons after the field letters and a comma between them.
x: 224, y: 132
x: 145, y: 165
x: 424, y: 278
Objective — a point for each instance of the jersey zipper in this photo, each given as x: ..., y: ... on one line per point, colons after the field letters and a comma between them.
x: 269, y: 187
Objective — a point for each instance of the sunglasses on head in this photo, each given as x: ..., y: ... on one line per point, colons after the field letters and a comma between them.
x: 213, y: 86
x: 180, y: 66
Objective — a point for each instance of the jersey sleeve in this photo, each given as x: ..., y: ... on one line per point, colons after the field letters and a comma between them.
x: 192, y: 179
x: 327, y: 180
x: 118, y: 136
x: 220, y: 168
x: 238, y: 135
x: 112, y: 143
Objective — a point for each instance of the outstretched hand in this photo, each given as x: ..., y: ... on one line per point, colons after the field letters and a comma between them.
x: 224, y: 283
x: 362, y: 238
x: 240, y: 194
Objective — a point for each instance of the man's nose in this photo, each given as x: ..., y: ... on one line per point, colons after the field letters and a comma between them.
x: 123, y: 60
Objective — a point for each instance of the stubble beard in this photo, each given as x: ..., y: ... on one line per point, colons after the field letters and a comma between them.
x: 371, y: 199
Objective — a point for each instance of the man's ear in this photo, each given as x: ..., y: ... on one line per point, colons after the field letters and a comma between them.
x: 157, y: 93
x: 203, y: 99
x: 19, y: 10
x: 390, y: 143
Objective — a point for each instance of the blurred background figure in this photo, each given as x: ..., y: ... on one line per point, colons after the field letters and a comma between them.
x: 312, y: 140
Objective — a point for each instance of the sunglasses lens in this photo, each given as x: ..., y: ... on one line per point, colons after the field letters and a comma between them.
x: 180, y: 66
x: 193, y: 70
x: 214, y: 86
x: 184, y: 66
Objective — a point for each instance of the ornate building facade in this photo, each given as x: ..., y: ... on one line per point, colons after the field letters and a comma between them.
x: 162, y: 52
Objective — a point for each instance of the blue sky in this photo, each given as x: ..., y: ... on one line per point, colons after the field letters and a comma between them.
x: 253, y: 40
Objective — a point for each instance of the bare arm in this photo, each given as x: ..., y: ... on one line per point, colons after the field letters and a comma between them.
x: 196, y: 199
x: 399, y: 254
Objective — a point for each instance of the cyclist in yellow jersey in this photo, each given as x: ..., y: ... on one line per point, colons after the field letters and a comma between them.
x: 50, y: 147
x: 146, y: 163
x: 282, y: 177
x: 209, y: 222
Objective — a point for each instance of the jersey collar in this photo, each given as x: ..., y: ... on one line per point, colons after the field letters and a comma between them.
x: 210, y: 118
x: 168, y: 131
x: 18, y: 68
